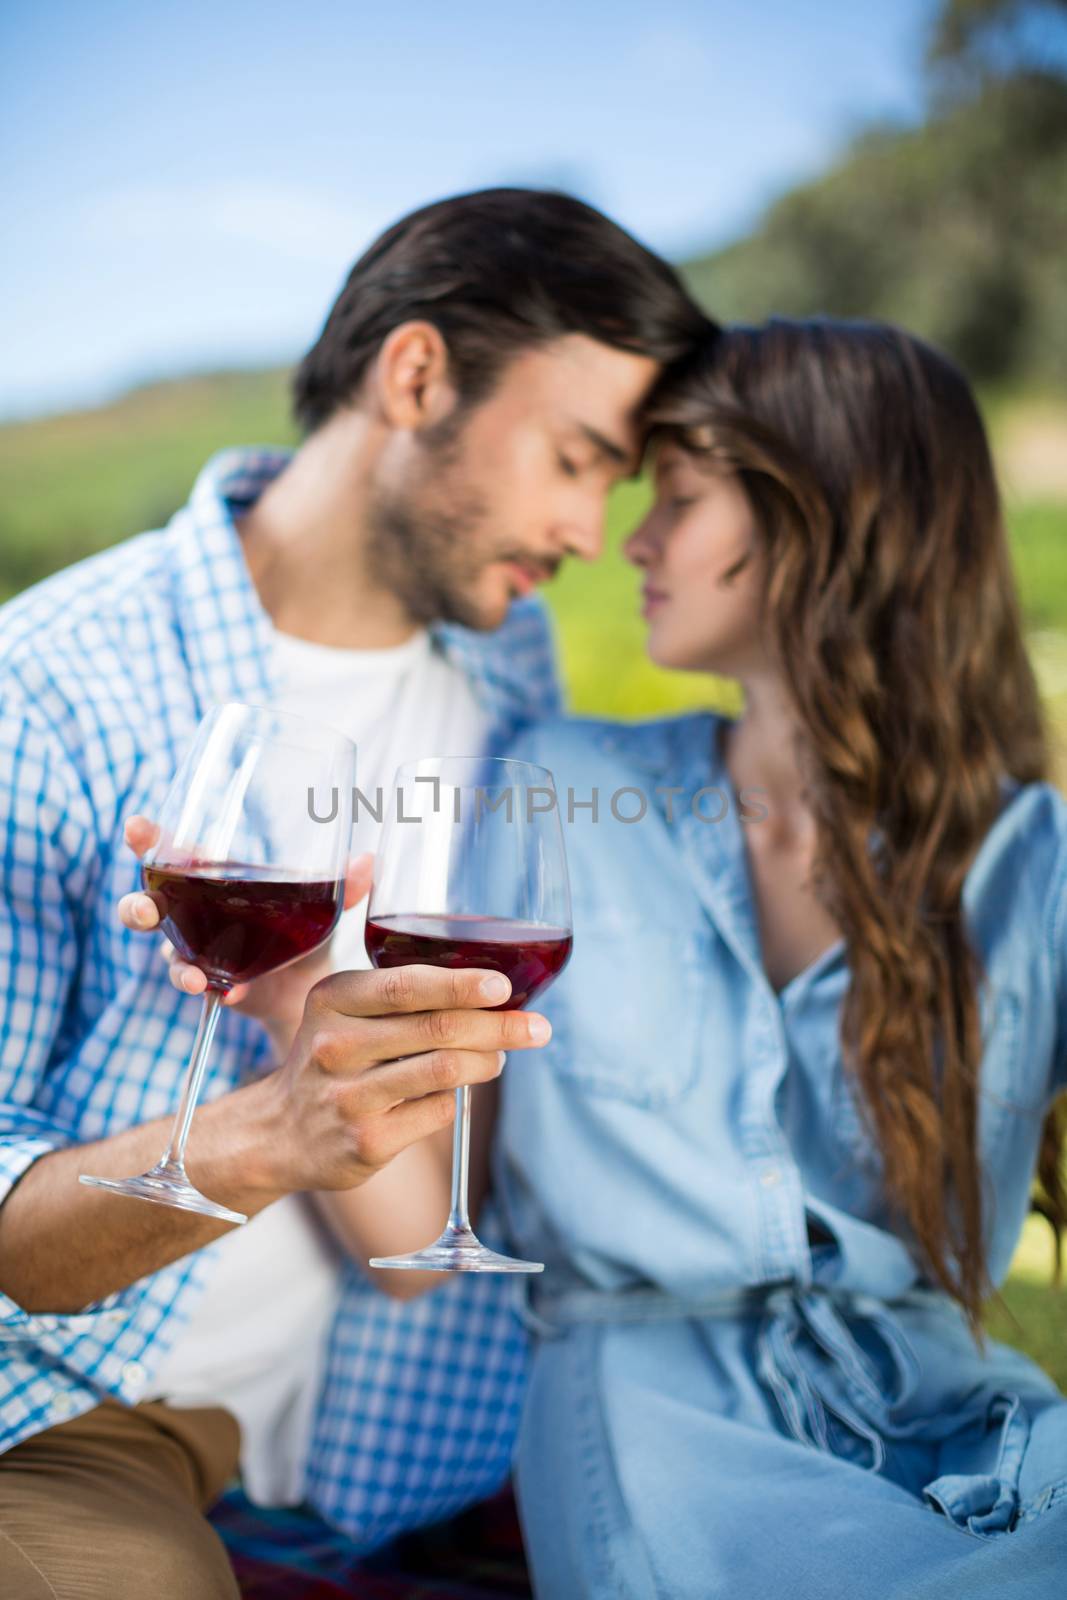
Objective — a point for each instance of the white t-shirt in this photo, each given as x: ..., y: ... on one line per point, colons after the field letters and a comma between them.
x: 256, y: 1342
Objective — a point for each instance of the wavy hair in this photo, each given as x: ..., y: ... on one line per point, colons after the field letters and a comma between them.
x: 890, y: 596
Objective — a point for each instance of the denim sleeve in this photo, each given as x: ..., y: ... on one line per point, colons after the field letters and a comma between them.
x: 46, y: 843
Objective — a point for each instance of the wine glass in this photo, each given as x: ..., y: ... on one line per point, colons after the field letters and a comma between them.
x: 250, y: 861
x: 471, y: 872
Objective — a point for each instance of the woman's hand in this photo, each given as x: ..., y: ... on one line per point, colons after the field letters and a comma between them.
x: 277, y: 999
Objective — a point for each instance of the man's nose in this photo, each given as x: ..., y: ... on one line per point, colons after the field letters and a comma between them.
x: 584, y: 536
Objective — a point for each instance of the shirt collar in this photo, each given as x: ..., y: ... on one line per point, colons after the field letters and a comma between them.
x: 683, y: 753
x: 225, y: 631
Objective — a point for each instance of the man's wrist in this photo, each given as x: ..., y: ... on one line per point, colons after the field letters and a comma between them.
x: 281, y: 1035
x: 237, y: 1144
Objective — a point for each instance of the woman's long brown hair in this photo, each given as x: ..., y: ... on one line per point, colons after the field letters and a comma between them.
x: 890, y: 604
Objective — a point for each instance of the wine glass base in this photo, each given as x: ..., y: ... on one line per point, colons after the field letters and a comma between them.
x: 165, y: 1192
x: 456, y: 1252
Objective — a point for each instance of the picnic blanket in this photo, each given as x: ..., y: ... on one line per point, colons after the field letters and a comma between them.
x: 291, y: 1554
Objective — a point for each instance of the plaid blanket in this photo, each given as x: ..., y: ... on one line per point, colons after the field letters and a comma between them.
x: 293, y: 1555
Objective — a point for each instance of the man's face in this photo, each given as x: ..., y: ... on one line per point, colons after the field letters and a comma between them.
x: 461, y: 525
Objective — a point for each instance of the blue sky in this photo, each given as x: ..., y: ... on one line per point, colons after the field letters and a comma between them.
x: 186, y: 186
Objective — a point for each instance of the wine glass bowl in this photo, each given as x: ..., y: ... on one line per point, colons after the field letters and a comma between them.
x: 529, y: 954
x: 238, y: 922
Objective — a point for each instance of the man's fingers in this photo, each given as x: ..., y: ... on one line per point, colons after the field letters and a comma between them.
x: 405, y: 989
x: 139, y: 912
x: 436, y: 1072
x: 384, y: 1137
x: 190, y: 980
x: 140, y: 834
x: 345, y: 1047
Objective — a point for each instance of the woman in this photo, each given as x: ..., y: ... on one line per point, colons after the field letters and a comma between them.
x: 782, y: 1141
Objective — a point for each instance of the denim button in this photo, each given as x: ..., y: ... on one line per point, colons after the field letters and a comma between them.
x: 771, y: 1177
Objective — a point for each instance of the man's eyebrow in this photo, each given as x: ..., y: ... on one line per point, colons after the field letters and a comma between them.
x: 609, y: 448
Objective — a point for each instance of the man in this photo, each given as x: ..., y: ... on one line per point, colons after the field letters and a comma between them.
x: 475, y: 392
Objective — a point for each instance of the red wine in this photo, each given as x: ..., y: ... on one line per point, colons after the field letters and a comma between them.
x: 531, y: 954
x: 236, y: 923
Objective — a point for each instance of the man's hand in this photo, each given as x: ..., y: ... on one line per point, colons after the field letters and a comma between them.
x: 370, y: 1059
x: 375, y: 1063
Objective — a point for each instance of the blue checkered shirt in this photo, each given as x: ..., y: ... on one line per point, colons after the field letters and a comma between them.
x: 105, y: 671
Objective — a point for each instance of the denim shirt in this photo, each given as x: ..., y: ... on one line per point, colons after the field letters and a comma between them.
x: 687, y: 1123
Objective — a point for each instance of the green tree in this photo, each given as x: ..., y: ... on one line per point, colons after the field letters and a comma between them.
x: 982, y: 38
x: 957, y: 228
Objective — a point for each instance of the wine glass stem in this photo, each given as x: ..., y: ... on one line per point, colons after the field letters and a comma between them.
x: 459, y: 1221
x: 194, y: 1077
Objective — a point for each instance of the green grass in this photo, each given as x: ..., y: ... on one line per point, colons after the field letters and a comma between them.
x: 1032, y: 1312
x: 74, y: 484
x: 1039, y: 550
x: 1033, y: 1318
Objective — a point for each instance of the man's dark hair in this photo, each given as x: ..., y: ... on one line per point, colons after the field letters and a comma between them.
x: 497, y: 271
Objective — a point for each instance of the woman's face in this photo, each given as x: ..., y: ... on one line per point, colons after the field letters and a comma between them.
x: 701, y: 555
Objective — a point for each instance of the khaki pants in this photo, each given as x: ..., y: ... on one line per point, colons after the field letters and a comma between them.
x: 110, y: 1506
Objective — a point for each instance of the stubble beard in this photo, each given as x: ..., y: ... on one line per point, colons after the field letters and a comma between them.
x: 427, y: 545
x: 425, y: 556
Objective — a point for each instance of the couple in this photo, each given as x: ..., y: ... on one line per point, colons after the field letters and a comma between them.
x: 789, y: 1096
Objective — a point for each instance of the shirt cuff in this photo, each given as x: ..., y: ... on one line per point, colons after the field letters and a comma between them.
x: 17, y: 1324
x: 18, y: 1152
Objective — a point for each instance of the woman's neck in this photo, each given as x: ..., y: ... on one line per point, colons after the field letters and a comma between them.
x: 761, y: 752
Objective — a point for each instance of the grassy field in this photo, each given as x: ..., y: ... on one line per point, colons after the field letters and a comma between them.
x: 1032, y: 1312
x: 75, y: 484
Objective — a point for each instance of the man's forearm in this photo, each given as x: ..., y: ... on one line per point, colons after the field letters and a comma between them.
x: 370, y: 1073
x: 64, y: 1245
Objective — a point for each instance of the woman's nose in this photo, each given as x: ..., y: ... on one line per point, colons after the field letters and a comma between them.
x: 639, y: 548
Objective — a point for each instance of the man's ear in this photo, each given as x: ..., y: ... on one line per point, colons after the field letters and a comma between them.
x: 411, y: 379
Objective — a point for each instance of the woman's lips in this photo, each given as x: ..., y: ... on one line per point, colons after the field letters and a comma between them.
x: 651, y: 600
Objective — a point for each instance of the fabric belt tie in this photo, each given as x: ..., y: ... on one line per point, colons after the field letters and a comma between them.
x: 806, y: 1354
x: 829, y: 1392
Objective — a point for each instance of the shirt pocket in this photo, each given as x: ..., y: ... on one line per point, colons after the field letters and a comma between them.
x: 999, y: 1093
x: 1009, y: 1106
x: 630, y: 1025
